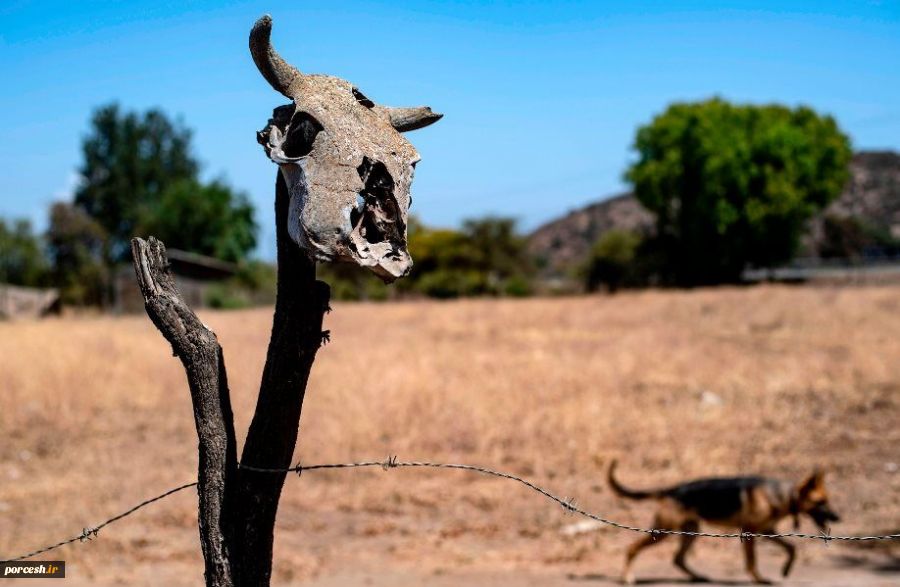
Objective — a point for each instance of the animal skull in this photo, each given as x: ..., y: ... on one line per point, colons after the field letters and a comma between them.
x: 347, y: 167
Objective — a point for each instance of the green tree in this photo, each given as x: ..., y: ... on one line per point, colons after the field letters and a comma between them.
x: 130, y: 160
x: 22, y: 260
x: 734, y: 185
x: 76, y: 244
x: 210, y: 219
x: 612, y: 261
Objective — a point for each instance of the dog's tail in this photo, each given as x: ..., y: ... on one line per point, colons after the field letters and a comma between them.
x: 623, y: 491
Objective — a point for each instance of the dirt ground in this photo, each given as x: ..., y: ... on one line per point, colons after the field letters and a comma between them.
x: 95, y: 416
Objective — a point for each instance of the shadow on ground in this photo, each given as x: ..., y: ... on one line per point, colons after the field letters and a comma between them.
x: 615, y: 580
x: 886, y: 565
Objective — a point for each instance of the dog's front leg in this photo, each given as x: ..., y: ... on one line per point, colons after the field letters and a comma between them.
x: 789, y: 548
x: 750, y: 560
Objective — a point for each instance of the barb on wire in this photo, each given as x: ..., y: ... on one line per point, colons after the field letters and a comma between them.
x: 391, y: 462
x: 90, y: 533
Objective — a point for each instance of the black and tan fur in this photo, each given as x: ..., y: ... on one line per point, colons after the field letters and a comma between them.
x: 752, y: 504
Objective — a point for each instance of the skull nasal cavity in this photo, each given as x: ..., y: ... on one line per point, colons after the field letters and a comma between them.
x: 301, y: 135
x: 377, y: 216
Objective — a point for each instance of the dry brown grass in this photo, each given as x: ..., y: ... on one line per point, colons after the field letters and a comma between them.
x: 95, y: 415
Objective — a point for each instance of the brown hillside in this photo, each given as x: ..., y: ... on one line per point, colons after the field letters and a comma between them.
x: 563, y: 242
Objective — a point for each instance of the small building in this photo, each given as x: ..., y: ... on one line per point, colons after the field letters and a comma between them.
x: 194, y: 275
x: 27, y: 302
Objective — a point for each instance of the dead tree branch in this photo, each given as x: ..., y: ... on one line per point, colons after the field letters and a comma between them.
x: 199, y: 351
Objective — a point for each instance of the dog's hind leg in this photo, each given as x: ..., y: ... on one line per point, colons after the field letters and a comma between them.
x: 687, y: 541
x: 789, y: 548
x: 639, y: 545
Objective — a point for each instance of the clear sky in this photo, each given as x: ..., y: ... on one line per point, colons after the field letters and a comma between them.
x: 541, y: 99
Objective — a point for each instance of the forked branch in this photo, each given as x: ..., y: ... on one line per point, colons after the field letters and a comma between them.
x: 238, y: 508
x: 199, y: 351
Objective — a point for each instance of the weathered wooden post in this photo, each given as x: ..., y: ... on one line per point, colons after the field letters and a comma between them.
x: 342, y: 194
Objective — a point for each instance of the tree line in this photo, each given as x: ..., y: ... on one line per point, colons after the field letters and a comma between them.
x: 730, y: 187
x: 139, y: 176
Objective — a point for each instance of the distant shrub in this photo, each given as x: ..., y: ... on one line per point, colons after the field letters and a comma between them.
x: 225, y: 296
x: 612, y: 262
x: 22, y: 260
x: 486, y: 257
x: 849, y: 237
x: 451, y: 283
x: 518, y: 287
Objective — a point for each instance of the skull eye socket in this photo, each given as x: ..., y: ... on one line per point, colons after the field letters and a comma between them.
x: 361, y: 98
x: 301, y: 135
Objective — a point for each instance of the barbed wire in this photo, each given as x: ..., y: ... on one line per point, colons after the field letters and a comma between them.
x: 568, y: 504
x: 91, y: 533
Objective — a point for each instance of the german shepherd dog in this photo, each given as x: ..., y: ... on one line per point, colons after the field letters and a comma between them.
x: 753, y: 504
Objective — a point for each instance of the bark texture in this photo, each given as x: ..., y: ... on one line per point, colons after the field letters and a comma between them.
x: 296, y: 336
x: 237, y: 507
x: 199, y: 351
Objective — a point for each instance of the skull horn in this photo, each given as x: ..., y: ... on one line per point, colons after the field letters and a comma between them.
x: 279, y: 73
x: 404, y: 119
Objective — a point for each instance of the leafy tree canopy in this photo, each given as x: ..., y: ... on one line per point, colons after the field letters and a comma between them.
x: 130, y: 160
x: 76, y: 243
x: 733, y: 185
x: 208, y: 219
x: 22, y: 260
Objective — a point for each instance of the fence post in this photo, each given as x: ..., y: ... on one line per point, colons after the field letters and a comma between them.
x: 237, y: 508
x: 297, y: 334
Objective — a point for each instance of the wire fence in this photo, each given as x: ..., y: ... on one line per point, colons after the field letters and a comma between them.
x: 568, y: 504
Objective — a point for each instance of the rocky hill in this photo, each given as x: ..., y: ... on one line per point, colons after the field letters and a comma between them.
x: 873, y: 195
x: 562, y: 243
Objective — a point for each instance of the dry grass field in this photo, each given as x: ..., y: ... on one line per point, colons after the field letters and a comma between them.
x: 95, y: 416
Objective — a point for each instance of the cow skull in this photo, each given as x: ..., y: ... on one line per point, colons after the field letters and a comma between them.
x: 347, y: 168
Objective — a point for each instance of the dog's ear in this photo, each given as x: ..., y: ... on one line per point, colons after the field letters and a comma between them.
x: 815, y: 481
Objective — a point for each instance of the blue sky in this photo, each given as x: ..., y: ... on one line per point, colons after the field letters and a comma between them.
x: 541, y: 99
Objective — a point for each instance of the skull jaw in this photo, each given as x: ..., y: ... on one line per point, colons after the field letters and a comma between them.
x: 385, y: 259
x: 331, y: 237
